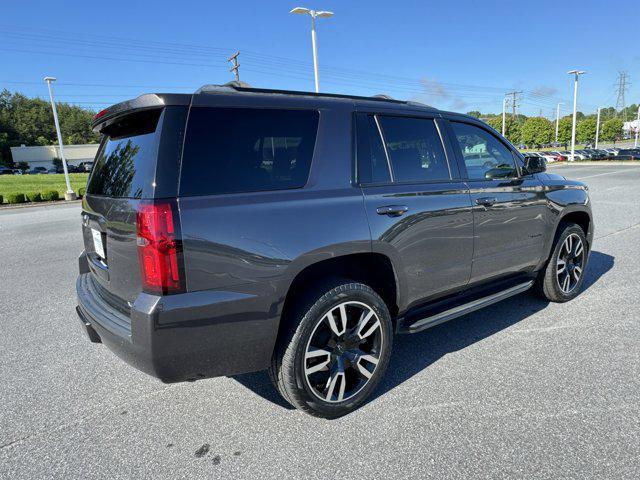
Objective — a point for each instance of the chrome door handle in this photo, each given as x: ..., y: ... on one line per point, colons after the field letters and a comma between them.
x: 392, y: 210
x: 486, y: 201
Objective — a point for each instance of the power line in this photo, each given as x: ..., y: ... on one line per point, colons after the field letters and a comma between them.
x: 623, y: 86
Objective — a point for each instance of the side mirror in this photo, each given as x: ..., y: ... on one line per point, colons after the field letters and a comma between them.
x: 534, y: 165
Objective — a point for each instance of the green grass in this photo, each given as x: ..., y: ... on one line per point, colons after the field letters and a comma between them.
x: 40, y: 183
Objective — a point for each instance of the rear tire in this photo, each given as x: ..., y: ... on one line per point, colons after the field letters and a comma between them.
x: 562, y: 278
x: 336, y: 350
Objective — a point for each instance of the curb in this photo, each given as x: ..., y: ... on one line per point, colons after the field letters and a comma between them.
x: 7, y: 206
x: 633, y: 163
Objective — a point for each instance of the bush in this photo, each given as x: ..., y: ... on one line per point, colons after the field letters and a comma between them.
x: 15, y: 198
x: 81, y: 192
x: 33, y: 197
x: 1, y: 199
x: 50, y: 195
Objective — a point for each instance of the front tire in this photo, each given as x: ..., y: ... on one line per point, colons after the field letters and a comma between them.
x: 563, y: 276
x: 336, y: 350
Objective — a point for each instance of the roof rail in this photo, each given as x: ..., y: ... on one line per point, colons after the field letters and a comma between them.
x: 242, y: 87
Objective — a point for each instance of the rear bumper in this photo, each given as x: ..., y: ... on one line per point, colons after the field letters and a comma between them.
x: 185, y: 336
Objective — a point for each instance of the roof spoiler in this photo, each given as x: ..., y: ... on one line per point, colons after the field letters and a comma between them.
x: 147, y: 101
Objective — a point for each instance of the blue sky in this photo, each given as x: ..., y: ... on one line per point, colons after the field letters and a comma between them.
x: 456, y: 55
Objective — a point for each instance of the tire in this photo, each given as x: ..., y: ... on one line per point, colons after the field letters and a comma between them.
x: 552, y: 282
x: 306, y: 366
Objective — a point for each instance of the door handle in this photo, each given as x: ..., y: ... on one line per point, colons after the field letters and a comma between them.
x: 486, y: 201
x: 392, y: 210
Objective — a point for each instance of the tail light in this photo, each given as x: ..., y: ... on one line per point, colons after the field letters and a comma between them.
x: 160, y: 247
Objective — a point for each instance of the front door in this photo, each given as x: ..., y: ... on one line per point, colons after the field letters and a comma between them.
x: 508, y: 208
x: 418, y: 208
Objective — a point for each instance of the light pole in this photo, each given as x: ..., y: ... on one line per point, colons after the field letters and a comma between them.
x: 504, y: 115
x: 576, y: 74
x: 558, y: 119
x: 635, y: 143
x: 313, y: 14
x: 598, y: 127
x: 69, y: 195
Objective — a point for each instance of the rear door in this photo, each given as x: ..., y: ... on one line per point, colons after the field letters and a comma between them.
x: 509, y: 208
x: 138, y: 160
x: 418, y: 208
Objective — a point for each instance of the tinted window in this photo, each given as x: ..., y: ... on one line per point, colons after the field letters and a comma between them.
x: 126, y: 160
x: 372, y: 161
x: 415, y: 149
x: 241, y: 150
x: 484, y: 155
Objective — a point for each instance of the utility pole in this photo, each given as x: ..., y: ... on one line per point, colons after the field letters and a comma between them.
x: 635, y: 144
x: 576, y: 74
x: 70, y: 194
x: 504, y: 115
x: 236, y: 66
x: 598, y: 127
x: 558, y: 119
x: 514, y: 103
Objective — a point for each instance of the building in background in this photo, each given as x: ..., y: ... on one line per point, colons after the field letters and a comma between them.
x: 42, y: 156
x: 630, y: 128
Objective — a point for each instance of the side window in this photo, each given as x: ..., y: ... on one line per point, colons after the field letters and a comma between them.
x: 484, y: 155
x: 415, y: 149
x: 372, y: 161
x: 231, y: 150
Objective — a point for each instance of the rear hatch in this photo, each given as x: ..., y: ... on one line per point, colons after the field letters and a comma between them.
x: 135, y: 171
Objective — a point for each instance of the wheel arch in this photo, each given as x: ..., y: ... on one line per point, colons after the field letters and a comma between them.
x: 371, y: 268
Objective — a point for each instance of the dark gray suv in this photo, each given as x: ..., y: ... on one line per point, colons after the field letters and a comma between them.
x: 238, y: 229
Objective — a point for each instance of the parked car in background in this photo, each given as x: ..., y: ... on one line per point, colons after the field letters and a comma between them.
x: 84, y: 167
x: 250, y: 229
x: 6, y: 171
x: 559, y: 156
x: 38, y: 171
x: 628, y: 154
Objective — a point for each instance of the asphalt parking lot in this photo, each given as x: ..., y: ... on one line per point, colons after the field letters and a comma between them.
x: 521, y: 389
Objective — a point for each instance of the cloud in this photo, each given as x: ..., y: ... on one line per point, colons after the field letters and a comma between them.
x: 458, y: 104
x: 434, y: 89
x: 544, y: 91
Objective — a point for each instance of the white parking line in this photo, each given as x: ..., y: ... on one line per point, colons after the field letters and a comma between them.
x: 600, y: 174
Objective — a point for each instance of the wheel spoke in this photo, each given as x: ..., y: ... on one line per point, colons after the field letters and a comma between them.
x: 337, y: 381
x: 367, y: 324
x: 315, y: 353
x: 568, y: 244
x: 577, y: 272
x: 340, y: 326
x: 566, y: 283
x: 368, y: 359
x: 579, y: 248
x: 562, y: 265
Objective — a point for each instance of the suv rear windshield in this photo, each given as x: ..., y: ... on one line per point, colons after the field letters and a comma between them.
x: 126, y: 161
x: 229, y: 150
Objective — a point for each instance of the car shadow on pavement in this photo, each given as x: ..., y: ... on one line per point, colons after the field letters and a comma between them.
x: 415, y: 352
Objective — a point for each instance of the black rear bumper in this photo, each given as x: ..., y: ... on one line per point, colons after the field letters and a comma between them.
x: 181, y: 337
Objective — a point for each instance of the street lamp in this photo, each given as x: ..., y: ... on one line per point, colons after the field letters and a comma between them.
x: 576, y: 74
x: 69, y: 195
x: 558, y: 119
x: 598, y: 127
x: 504, y: 115
x: 313, y: 14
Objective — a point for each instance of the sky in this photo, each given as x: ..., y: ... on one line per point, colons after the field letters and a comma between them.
x: 454, y: 55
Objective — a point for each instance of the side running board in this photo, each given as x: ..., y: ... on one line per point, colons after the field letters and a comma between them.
x: 461, y: 310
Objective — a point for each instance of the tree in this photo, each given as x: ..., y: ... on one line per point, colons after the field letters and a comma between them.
x: 29, y: 121
x: 512, y: 129
x: 474, y: 113
x: 611, y: 130
x: 586, y: 130
x: 537, y: 131
x: 564, y: 129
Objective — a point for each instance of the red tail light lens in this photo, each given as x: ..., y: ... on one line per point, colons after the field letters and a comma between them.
x: 160, y: 248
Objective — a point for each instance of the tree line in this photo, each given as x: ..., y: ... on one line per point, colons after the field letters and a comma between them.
x: 539, y: 131
x: 29, y: 121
